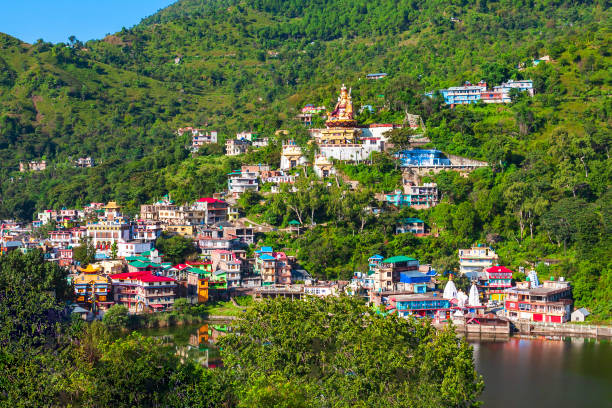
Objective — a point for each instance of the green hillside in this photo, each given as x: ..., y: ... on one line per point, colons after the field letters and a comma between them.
x: 251, y: 65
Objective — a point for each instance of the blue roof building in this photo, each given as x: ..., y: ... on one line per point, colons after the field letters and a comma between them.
x: 421, y: 305
x: 422, y: 158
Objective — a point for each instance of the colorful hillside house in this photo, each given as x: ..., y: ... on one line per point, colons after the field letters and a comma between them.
x: 273, y: 267
x: 153, y: 255
x: 474, y: 261
x: 140, y: 265
x: 417, y: 197
x: 432, y: 306
x: 550, y: 303
x: 422, y: 158
x: 416, y: 281
x: 204, y: 266
x: 197, y: 285
x: 494, y: 283
x: 229, y: 264
x: 359, y: 284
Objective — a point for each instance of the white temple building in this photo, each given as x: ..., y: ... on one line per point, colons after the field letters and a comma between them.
x: 474, y: 298
x: 450, y: 290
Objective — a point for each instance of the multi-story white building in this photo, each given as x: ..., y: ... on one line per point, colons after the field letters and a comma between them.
x: 239, y: 182
x: 353, y: 152
x: 104, y: 233
x: 84, y: 162
x: 204, y: 211
x: 147, y: 231
x: 199, y: 137
x: 525, y: 85
x: 60, y: 239
x: 133, y: 248
x: 234, y: 147
x: 475, y: 260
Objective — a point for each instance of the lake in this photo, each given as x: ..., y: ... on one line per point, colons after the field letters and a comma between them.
x: 537, y: 372
x: 518, y: 371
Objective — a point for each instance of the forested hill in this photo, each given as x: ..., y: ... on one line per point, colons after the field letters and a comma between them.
x: 248, y: 65
x: 232, y: 66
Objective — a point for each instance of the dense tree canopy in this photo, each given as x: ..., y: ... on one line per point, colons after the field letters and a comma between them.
x: 338, y: 352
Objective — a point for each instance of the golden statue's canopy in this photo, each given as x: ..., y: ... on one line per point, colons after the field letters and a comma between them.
x: 112, y: 205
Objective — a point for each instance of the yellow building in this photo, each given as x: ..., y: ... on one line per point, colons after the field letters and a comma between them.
x: 202, y: 290
x: 110, y: 266
x: 198, y: 282
x: 91, y: 286
x: 184, y: 230
x: 233, y: 214
x: 339, y: 136
x: 323, y: 167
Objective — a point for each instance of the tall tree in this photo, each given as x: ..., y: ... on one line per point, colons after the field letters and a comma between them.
x: 85, y: 253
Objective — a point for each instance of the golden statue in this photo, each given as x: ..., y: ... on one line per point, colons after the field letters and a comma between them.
x: 342, y: 115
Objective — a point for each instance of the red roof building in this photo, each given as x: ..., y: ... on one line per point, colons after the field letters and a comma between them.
x: 209, y: 200
x: 143, y: 291
x: 494, y: 282
x: 215, y: 210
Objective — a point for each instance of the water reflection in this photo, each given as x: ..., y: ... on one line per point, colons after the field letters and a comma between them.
x: 545, y: 372
x: 196, y: 343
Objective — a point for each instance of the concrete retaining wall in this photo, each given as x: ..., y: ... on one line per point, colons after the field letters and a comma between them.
x: 581, y: 330
x: 464, y: 161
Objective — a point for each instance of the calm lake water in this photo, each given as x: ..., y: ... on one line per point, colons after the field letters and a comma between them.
x: 535, y: 372
x: 518, y: 371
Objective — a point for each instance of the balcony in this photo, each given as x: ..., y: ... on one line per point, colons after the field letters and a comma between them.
x: 157, y: 294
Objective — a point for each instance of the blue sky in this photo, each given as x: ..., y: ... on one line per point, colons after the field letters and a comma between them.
x: 56, y: 20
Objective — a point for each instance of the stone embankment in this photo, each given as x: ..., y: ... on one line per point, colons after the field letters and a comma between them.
x: 564, y: 329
